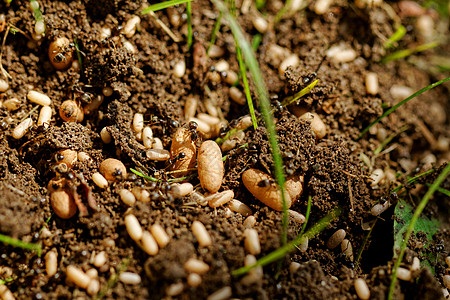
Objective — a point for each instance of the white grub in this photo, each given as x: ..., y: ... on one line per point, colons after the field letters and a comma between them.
x: 297, y: 217
x: 127, y: 197
x: 194, y: 280
x: 230, y: 77
x: 129, y: 29
x: 99, y: 180
x: 51, y: 262
x: 160, y: 235
x: 149, y: 244
x: 105, y: 136
x: 303, y: 246
x: 134, y: 229
x: 196, y: 266
x: 260, y: 24
x: 44, y: 116
x: 379, y: 208
x: 446, y: 281
x: 425, y: 27
x: 317, y: 125
x: 276, y: 54
x: 93, y: 287
x: 294, y: 266
x: 138, y: 122
x: 222, y: 66
x: 239, y: 207
x: 39, y: 98
x: 400, y: 92
x: 216, y: 51
x: 130, y: 278
x: 5, y: 293
x: 190, y: 107
x: 100, y: 259
x: 251, y: 242
x: 203, y: 127
x: 12, y: 104
x: 92, y: 273
x: 371, y: 80
x: 22, y: 128
x: 157, y: 144
x: 361, y: 288
x: 291, y: 60
x: 322, y: 6
x: 147, y: 137
x: 202, y: 235
x: 181, y: 190
x: 222, y: 294
x: 249, y: 222
x: 236, y: 95
x: 83, y: 156
x: 415, y: 266
x: 175, y: 289
x: 129, y: 47
x: 179, y: 69
x: 404, y: 274
x: 141, y: 194
x: 77, y: 276
x: 336, y: 238
x: 341, y: 53
x: 158, y: 154
x: 107, y: 91
x: 39, y: 27
x: 376, y: 176
x: 219, y: 199
x: 347, y: 249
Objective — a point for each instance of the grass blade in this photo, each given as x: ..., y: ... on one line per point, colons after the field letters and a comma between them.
x: 248, y: 96
x: 392, y: 109
x: 20, y: 244
x: 281, y: 13
x: 143, y: 175
x: 261, y: 90
x: 291, y: 246
x: 398, y: 35
x: 389, y: 139
x: 411, y: 226
x: 407, y: 52
x: 288, y: 100
x: 214, y: 32
x: 163, y: 5
x: 189, y: 23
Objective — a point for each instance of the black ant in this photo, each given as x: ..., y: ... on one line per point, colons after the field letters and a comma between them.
x: 193, y: 129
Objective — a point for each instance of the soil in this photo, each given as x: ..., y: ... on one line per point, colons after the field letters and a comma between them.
x: 336, y: 168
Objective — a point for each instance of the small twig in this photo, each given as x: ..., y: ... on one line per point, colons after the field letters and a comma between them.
x: 164, y: 27
x: 350, y: 194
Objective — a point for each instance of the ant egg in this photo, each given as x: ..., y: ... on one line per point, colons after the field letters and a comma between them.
x: 60, y: 53
x: 62, y: 204
x: 210, y: 166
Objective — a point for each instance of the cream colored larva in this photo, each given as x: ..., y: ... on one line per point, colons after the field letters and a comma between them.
x: 210, y: 166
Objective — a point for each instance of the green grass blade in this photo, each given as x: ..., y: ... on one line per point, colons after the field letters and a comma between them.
x: 308, y: 212
x: 257, y: 38
x: 189, y: 23
x: 288, y: 100
x: 407, y: 52
x: 291, y: 246
x: 36, y: 12
x: 441, y: 190
x: 143, y: 175
x: 282, y: 11
x: 392, y: 109
x: 261, y: 90
x: 389, y: 139
x: 248, y: 96
x: 397, y: 36
x: 214, y: 32
x: 163, y: 5
x: 20, y: 244
x: 411, y: 226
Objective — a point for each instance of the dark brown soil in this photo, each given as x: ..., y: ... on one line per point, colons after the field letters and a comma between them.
x: 336, y: 168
